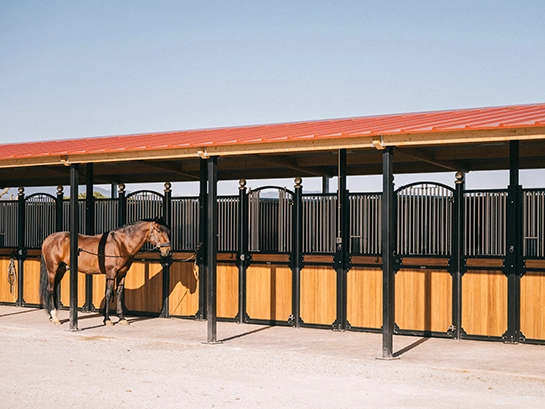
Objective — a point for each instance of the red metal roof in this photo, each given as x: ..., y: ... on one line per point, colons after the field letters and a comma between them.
x: 423, y: 122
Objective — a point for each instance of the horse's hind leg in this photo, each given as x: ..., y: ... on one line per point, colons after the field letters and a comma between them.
x: 108, y: 295
x: 53, y: 292
x: 120, y: 299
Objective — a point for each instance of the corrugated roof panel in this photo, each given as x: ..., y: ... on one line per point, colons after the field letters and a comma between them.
x: 419, y: 122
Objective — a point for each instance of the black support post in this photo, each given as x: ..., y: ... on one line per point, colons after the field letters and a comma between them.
x: 74, y: 228
x: 89, y: 230
x: 59, y: 209
x: 21, y: 249
x: 212, y: 253
x: 388, y: 248
x: 296, y: 258
x: 121, y: 205
x: 201, y: 253
x: 342, y: 256
x: 243, y: 256
x: 513, y: 258
x: 166, y: 262
x: 458, y: 264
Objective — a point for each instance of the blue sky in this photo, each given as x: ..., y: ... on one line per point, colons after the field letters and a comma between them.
x: 92, y: 68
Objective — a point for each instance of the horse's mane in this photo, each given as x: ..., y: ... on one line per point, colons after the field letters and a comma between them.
x: 159, y: 221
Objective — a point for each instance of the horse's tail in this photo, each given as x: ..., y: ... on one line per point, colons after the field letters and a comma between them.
x: 44, y: 294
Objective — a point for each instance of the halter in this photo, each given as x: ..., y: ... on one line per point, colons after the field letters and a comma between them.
x: 156, y: 245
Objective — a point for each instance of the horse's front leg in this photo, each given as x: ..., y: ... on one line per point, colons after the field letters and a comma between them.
x: 120, y: 299
x: 108, y: 295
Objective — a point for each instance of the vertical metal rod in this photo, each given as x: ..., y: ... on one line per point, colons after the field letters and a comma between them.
x: 211, y: 256
x: 341, y: 254
x: 243, y: 255
x: 74, y: 229
x: 514, y: 239
x: 296, y: 253
x: 89, y: 230
x: 202, y: 239
x: 457, y: 256
x: 21, y: 250
x: 388, y: 243
x: 166, y: 261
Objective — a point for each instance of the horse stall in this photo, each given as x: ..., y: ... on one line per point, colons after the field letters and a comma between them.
x: 424, y: 259
x: 256, y: 282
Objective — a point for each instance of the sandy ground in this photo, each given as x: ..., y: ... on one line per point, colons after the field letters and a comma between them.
x: 163, y: 363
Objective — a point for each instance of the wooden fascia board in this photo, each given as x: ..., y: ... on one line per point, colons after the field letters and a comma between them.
x: 303, y: 145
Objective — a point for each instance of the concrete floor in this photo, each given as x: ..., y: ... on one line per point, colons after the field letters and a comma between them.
x: 165, y: 362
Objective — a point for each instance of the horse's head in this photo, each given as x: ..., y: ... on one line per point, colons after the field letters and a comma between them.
x: 159, y: 237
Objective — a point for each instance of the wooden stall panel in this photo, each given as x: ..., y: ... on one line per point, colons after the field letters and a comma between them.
x: 423, y: 300
x: 532, y: 302
x: 268, y: 289
x: 31, y: 285
x: 6, y: 294
x: 184, y: 289
x: 143, y: 287
x: 318, y: 295
x: 99, y: 290
x: 65, y: 289
x: 364, y: 292
x: 227, y: 290
x: 484, y: 303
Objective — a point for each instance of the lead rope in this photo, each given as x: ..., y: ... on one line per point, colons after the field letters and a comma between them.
x: 12, y: 274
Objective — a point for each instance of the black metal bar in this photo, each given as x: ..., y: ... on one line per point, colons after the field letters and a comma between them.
x: 457, y: 257
x: 166, y: 262
x: 388, y: 248
x: 211, y: 256
x: 243, y: 256
x: 89, y: 230
x: 296, y: 261
x: 74, y: 228
x: 59, y: 209
x: 121, y: 205
x: 513, y: 257
x: 341, y: 258
x: 21, y: 250
x: 201, y: 254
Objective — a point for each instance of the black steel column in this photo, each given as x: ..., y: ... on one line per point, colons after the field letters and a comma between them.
x: 89, y: 230
x: 121, y: 205
x: 166, y: 262
x: 296, y: 259
x: 458, y: 264
x: 243, y: 256
x: 212, y: 253
x: 201, y: 254
x: 74, y: 228
x: 342, y: 257
x: 513, y: 257
x: 59, y: 207
x: 388, y: 248
x: 21, y: 250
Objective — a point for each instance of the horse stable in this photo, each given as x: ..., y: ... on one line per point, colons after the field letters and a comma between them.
x: 423, y: 259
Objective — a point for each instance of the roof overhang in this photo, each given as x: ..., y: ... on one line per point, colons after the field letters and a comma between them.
x: 464, y: 140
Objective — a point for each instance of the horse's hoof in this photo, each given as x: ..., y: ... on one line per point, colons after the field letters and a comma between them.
x: 108, y: 323
x: 55, y: 321
x: 123, y: 322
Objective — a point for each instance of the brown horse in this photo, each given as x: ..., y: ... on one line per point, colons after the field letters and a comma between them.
x: 110, y: 253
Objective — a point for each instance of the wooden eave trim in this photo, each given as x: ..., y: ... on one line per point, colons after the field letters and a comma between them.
x: 304, y: 145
